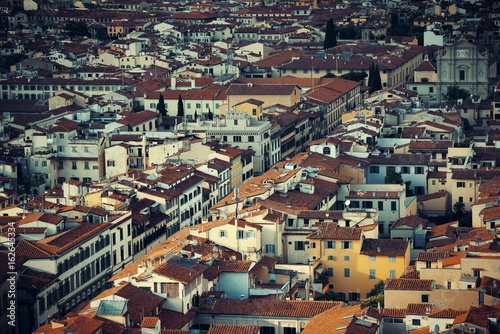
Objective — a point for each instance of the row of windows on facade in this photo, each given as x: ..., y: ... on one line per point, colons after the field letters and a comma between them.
x: 369, y: 205
x: 240, y: 234
x: 75, y: 281
x: 74, y: 165
x: 372, y: 274
x: 403, y: 170
x: 82, y: 254
x: 55, y: 88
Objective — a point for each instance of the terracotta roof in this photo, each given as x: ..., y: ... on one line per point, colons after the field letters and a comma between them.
x: 181, y: 270
x: 448, y: 313
x: 490, y: 213
x: 411, y: 221
x: 394, y: 312
x: 343, y: 319
x: 272, y: 308
x: 400, y: 159
x: 418, y: 309
x: 233, y: 329
x: 149, y: 322
x: 428, y: 197
x: 408, y: 284
x: 175, y: 320
x: 431, y: 256
x: 252, y: 89
x: 332, y: 231
x: 384, y: 247
x: 234, y: 266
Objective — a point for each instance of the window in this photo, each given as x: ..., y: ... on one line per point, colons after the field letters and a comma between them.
x: 346, y: 244
x: 299, y: 245
x: 425, y: 298
x: 331, y: 258
x: 270, y: 248
x: 415, y: 322
x: 419, y: 170
x: 73, y: 165
x: 392, y: 273
x: 389, y: 169
x: 330, y: 244
x: 462, y: 75
x: 222, y: 234
x: 393, y: 206
x: 60, y: 148
x: 347, y: 272
x: 367, y: 204
x: 380, y: 205
x: 372, y: 274
x: 460, y: 184
x: 61, y: 136
x: 392, y: 259
x: 44, y: 163
x: 85, y: 149
x: 111, y: 163
x: 312, y: 245
x: 371, y: 258
x: 431, y: 89
x: 237, y: 139
x: 448, y: 285
x: 460, y: 199
x: 251, y: 139
x: 374, y: 169
x: 329, y: 272
x: 405, y: 170
x: 73, y: 149
x: 254, y: 112
x: 86, y: 165
x: 60, y: 165
x: 347, y: 258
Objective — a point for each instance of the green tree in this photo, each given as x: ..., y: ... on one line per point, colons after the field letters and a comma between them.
x: 210, y: 114
x: 330, y: 35
x: 375, y: 296
x: 161, y: 106
x: 74, y: 28
x: 377, y: 80
x: 13, y: 59
x: 391, y: 177
x: 459, y: 208
x: 195, y: 115
x: 466, y: 124
x: 454, y: 93
x: 371, y: 75
x: 180, y: 106
x: 329, y: 75
x: 331, y: 295
x: 354, y: 76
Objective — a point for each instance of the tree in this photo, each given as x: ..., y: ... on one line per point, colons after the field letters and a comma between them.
x: 331, y: 295
x: 391, y: 177
x: 161, y: 106
x: 354, y: 76
x: 455, y: 93
x: 371, y: 75
x: 330, y: 35
x: 13, y: 59
x: 180, y: 107
x: 210, y: 114
x: 377, y: 81
x: 375, y: 296
x: 74, y: 28
x: 329, y: 75
x: 459, y: 208
x: 195, y: 115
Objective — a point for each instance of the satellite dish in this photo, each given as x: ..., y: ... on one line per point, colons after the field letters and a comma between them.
x: 348, y: 202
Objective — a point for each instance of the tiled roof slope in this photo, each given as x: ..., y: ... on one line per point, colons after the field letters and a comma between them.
x: 332, y: 231
x: 408, y: 284
x: 272, y: 308
x: 384, y: 247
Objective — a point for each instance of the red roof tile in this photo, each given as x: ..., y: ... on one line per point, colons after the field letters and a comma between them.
x: 409, y: 284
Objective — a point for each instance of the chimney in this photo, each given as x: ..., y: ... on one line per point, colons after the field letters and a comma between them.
x: 173, y: 83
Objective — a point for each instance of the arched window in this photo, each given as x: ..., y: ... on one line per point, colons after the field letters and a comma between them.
x: 326, y: 150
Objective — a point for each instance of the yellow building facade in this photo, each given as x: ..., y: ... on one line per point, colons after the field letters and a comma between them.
x: 353, y: 264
